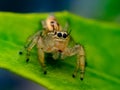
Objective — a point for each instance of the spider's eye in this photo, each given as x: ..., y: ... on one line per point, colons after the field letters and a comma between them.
x: 59, y: 34
x: 64, y: 35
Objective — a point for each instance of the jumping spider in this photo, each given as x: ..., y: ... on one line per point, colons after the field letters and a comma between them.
x: 55, y: 39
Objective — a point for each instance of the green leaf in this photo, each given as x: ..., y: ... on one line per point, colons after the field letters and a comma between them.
x: 101, y: 41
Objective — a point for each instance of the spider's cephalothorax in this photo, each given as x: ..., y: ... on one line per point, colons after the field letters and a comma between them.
x: 53, y: 39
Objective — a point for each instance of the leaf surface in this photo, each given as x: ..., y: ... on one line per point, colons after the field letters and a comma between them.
x: 101, y: 41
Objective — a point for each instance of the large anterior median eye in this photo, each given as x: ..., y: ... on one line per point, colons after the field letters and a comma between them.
x: 59, y: 34
x: 64, y: 35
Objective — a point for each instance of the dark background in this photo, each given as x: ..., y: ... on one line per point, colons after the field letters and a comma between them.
x: 102, y: 10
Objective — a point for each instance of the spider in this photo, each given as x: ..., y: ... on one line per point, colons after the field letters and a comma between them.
x: 55, y: 40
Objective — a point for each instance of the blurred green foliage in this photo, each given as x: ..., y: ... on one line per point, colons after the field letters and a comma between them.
x: 111, y: 10
x: 100, y: 39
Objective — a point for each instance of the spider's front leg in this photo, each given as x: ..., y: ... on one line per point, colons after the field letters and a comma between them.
x: 81, y: 61
x: 30, y: 43
x: 41, y: 55
x: 79, y: 51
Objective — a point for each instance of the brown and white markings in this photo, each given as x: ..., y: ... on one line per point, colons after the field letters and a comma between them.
x: 53, y: 39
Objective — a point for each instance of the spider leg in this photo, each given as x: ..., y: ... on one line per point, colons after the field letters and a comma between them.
x: 30, y: 45
x: 41, y: 55
x: 29, y: 41
x: 31, y: 38
x: 79, y: 51
x: 81, y: 60
x: 42, y: 60
x: 56, y: 55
